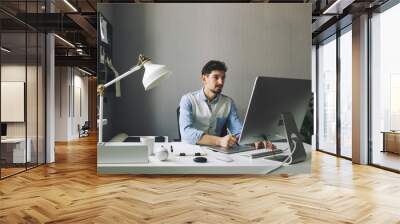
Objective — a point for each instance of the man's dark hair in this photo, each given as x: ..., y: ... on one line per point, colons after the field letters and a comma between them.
x: 213, y: 65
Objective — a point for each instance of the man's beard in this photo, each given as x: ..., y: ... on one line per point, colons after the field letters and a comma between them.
x: 217, y: 90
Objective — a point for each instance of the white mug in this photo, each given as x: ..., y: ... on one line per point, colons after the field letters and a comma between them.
x: 149, y: 141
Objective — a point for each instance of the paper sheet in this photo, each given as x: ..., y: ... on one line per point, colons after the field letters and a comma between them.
x: 188, y: 149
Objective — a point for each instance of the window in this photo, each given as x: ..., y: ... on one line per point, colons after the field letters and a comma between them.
x: 346, y: 93
x: 385, y: 88
x: 327, y: 95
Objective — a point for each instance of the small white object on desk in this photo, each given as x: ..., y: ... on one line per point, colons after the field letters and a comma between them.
x: 149, y: 141
x: 162, y: 154
x: 224, y: 157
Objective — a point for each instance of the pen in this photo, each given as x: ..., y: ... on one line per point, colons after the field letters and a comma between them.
x: 230, y: 133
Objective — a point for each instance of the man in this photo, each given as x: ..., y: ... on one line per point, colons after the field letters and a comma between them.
x: 204, y: 114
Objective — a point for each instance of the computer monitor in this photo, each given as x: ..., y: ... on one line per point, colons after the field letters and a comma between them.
x: 272, y: 98
x: 3, y: 130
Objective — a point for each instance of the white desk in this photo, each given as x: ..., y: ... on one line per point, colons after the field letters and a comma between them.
x: 186, y: 165
x: 18, y: 150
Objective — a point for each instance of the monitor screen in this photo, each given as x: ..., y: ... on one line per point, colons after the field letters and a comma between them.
x: 270, y: 98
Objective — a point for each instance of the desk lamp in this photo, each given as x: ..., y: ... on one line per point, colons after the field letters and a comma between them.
x: 153, y: 75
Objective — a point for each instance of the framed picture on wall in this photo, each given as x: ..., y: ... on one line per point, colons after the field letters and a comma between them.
x: 104, y: 49
x: 12, y: 101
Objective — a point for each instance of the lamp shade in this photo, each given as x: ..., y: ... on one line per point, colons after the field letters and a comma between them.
x: 154, y: 74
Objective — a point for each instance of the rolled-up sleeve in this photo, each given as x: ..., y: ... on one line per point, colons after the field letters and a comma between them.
x: 188, y: 132
x: 233, y: 123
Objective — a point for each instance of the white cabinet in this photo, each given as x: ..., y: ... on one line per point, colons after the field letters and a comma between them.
x: 18, y: 149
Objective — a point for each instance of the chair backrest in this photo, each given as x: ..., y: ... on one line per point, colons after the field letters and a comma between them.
x: 179, y: 130
x: 86, y: 125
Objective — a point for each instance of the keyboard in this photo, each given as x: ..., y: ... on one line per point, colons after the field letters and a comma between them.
x: 233, y: 149
x: 279, y: 158
x: 265, y: 153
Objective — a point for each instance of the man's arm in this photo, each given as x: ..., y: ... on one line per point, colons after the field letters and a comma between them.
x: 233, y: 121
x: 226, y: 141
x: 188, y: 132
x: 194, y: 136
x: 208, y: 140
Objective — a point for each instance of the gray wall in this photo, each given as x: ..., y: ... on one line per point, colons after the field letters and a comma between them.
x: 252, y: 39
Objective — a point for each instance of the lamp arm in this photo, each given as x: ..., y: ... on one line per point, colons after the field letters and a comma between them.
x: 100, y: 90
x: 130, y: 71
x: 141, y: 61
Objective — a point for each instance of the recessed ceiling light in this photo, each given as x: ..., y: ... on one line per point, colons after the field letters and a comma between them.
x: 65, y: 41
x: 5, y: 50
x: 70, y: 5
x: 84, y: 71
x: 337, y: 7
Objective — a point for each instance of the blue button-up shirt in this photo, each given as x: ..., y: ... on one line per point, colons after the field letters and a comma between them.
x: 199, y: 116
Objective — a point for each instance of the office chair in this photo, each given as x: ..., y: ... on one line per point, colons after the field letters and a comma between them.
x: 179, y: 130
x: 223, y: 133
x: 84, y: 130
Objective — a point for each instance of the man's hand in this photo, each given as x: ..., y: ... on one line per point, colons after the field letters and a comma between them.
x: 227, y: 141
x: 264, y: 144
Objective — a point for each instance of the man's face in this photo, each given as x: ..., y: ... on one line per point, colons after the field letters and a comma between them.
x: 214, y: 81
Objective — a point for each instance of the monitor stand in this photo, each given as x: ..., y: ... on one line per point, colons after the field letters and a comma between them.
x: 293, y: 135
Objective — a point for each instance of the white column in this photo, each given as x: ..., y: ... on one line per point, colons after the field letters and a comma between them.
x: 360, y: 90
x: 50, y: 94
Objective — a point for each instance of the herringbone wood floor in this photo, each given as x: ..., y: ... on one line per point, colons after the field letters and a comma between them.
x: 70, y: 191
